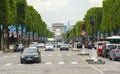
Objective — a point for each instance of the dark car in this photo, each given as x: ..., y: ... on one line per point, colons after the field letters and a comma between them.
x: 30, y: 55
x: 79, y: 45
x: 88, y: 45
x: 19, y: 47
x: 64, y: 47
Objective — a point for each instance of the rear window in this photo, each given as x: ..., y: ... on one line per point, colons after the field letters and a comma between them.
x: 114, y: 47
x: 110, y: 46
x: 29, y: 50
x: 118, y: 47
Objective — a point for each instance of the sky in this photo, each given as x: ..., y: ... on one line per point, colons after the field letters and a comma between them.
x: 63, y: 11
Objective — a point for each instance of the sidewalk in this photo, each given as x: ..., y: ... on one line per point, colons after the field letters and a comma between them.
x: 5, y: 51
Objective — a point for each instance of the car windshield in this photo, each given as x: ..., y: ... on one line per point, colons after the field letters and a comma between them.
x: 114, y: 47
x: 29, y: 50
x: 49, y: 44
x: 64, y: 45
x: 110, y: 46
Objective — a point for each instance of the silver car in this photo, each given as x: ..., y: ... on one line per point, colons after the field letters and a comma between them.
x: 49, y: 47
x: 114, y: 53
x: 41, y: 45
x: 64, y: 47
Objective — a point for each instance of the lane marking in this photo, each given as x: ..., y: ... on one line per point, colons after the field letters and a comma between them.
x: 5, y: 56
x: 20, y: 64
x: 48, y: 63
x: 74, y: 62
x: 116, y: 62
x: 8, y: 64
x: 101, y: 72
x: 59, y: 55
x: 68, y: 54
x: 61, y: 63
x: 42, y: 55
x: 112, y: 67
x: 14, y: 56
x: 50, y: 55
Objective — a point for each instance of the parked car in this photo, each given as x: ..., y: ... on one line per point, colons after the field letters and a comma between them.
x: 64, y: 47
x: 49, y: 47
x: 30, y: 55
x: 41, y: 45
x: 107, y: 49
x: 88, y: 45
x: 79, y: 45
x: 115, y: 53
x: 19, y: 47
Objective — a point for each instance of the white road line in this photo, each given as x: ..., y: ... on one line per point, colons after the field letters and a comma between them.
x: 50, y: 55
x: 8, y: 64
x: 112, y: 67
x: 20, y: 64
x: 74, y: 62
x: 48, y: 63
x: 68, y: 54
x: 5, y: 56
x: 101, y: 72
x: 42, y: 55
x: 14, y: 56
x: 61, y: 63
x: 116, y: 62
x: 59, y: 55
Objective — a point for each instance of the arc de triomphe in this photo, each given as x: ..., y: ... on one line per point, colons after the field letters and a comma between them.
x: 56, y: 26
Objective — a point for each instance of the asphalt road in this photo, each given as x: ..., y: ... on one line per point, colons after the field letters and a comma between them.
x: 57, y: 62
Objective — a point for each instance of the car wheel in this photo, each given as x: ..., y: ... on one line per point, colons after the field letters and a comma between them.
x: 39, y: 60
x: 114, y: 59
x: 110, y: 58
x: 21, y: 62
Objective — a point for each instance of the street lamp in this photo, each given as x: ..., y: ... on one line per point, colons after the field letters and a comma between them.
x: 92, y: 24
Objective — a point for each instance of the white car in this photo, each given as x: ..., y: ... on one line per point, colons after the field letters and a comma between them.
x: 41, y: 45
x: 32, y: 46
x: 64, y: 47
x: 49, y: 47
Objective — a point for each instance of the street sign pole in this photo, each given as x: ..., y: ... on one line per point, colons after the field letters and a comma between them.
x: 83, y: 33
x: 93, y: 59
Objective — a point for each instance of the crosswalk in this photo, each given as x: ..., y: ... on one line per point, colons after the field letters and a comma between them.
x: 45, y: 63
x: 59, y: 55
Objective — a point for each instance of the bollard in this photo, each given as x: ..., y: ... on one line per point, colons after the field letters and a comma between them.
x: 75, y: 46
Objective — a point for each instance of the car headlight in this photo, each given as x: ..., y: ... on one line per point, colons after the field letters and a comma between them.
x: 36, y: 56
x: 22, y: 56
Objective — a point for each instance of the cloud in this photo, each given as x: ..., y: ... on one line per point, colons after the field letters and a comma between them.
x: 96, y: 3
x: 62, y: 11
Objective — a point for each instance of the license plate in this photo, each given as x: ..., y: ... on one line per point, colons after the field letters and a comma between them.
x: 29, y: 59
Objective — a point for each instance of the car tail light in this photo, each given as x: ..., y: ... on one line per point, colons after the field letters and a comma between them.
x: 117, y: 50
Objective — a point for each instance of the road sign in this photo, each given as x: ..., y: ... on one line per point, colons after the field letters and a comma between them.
x: 83, y: 33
